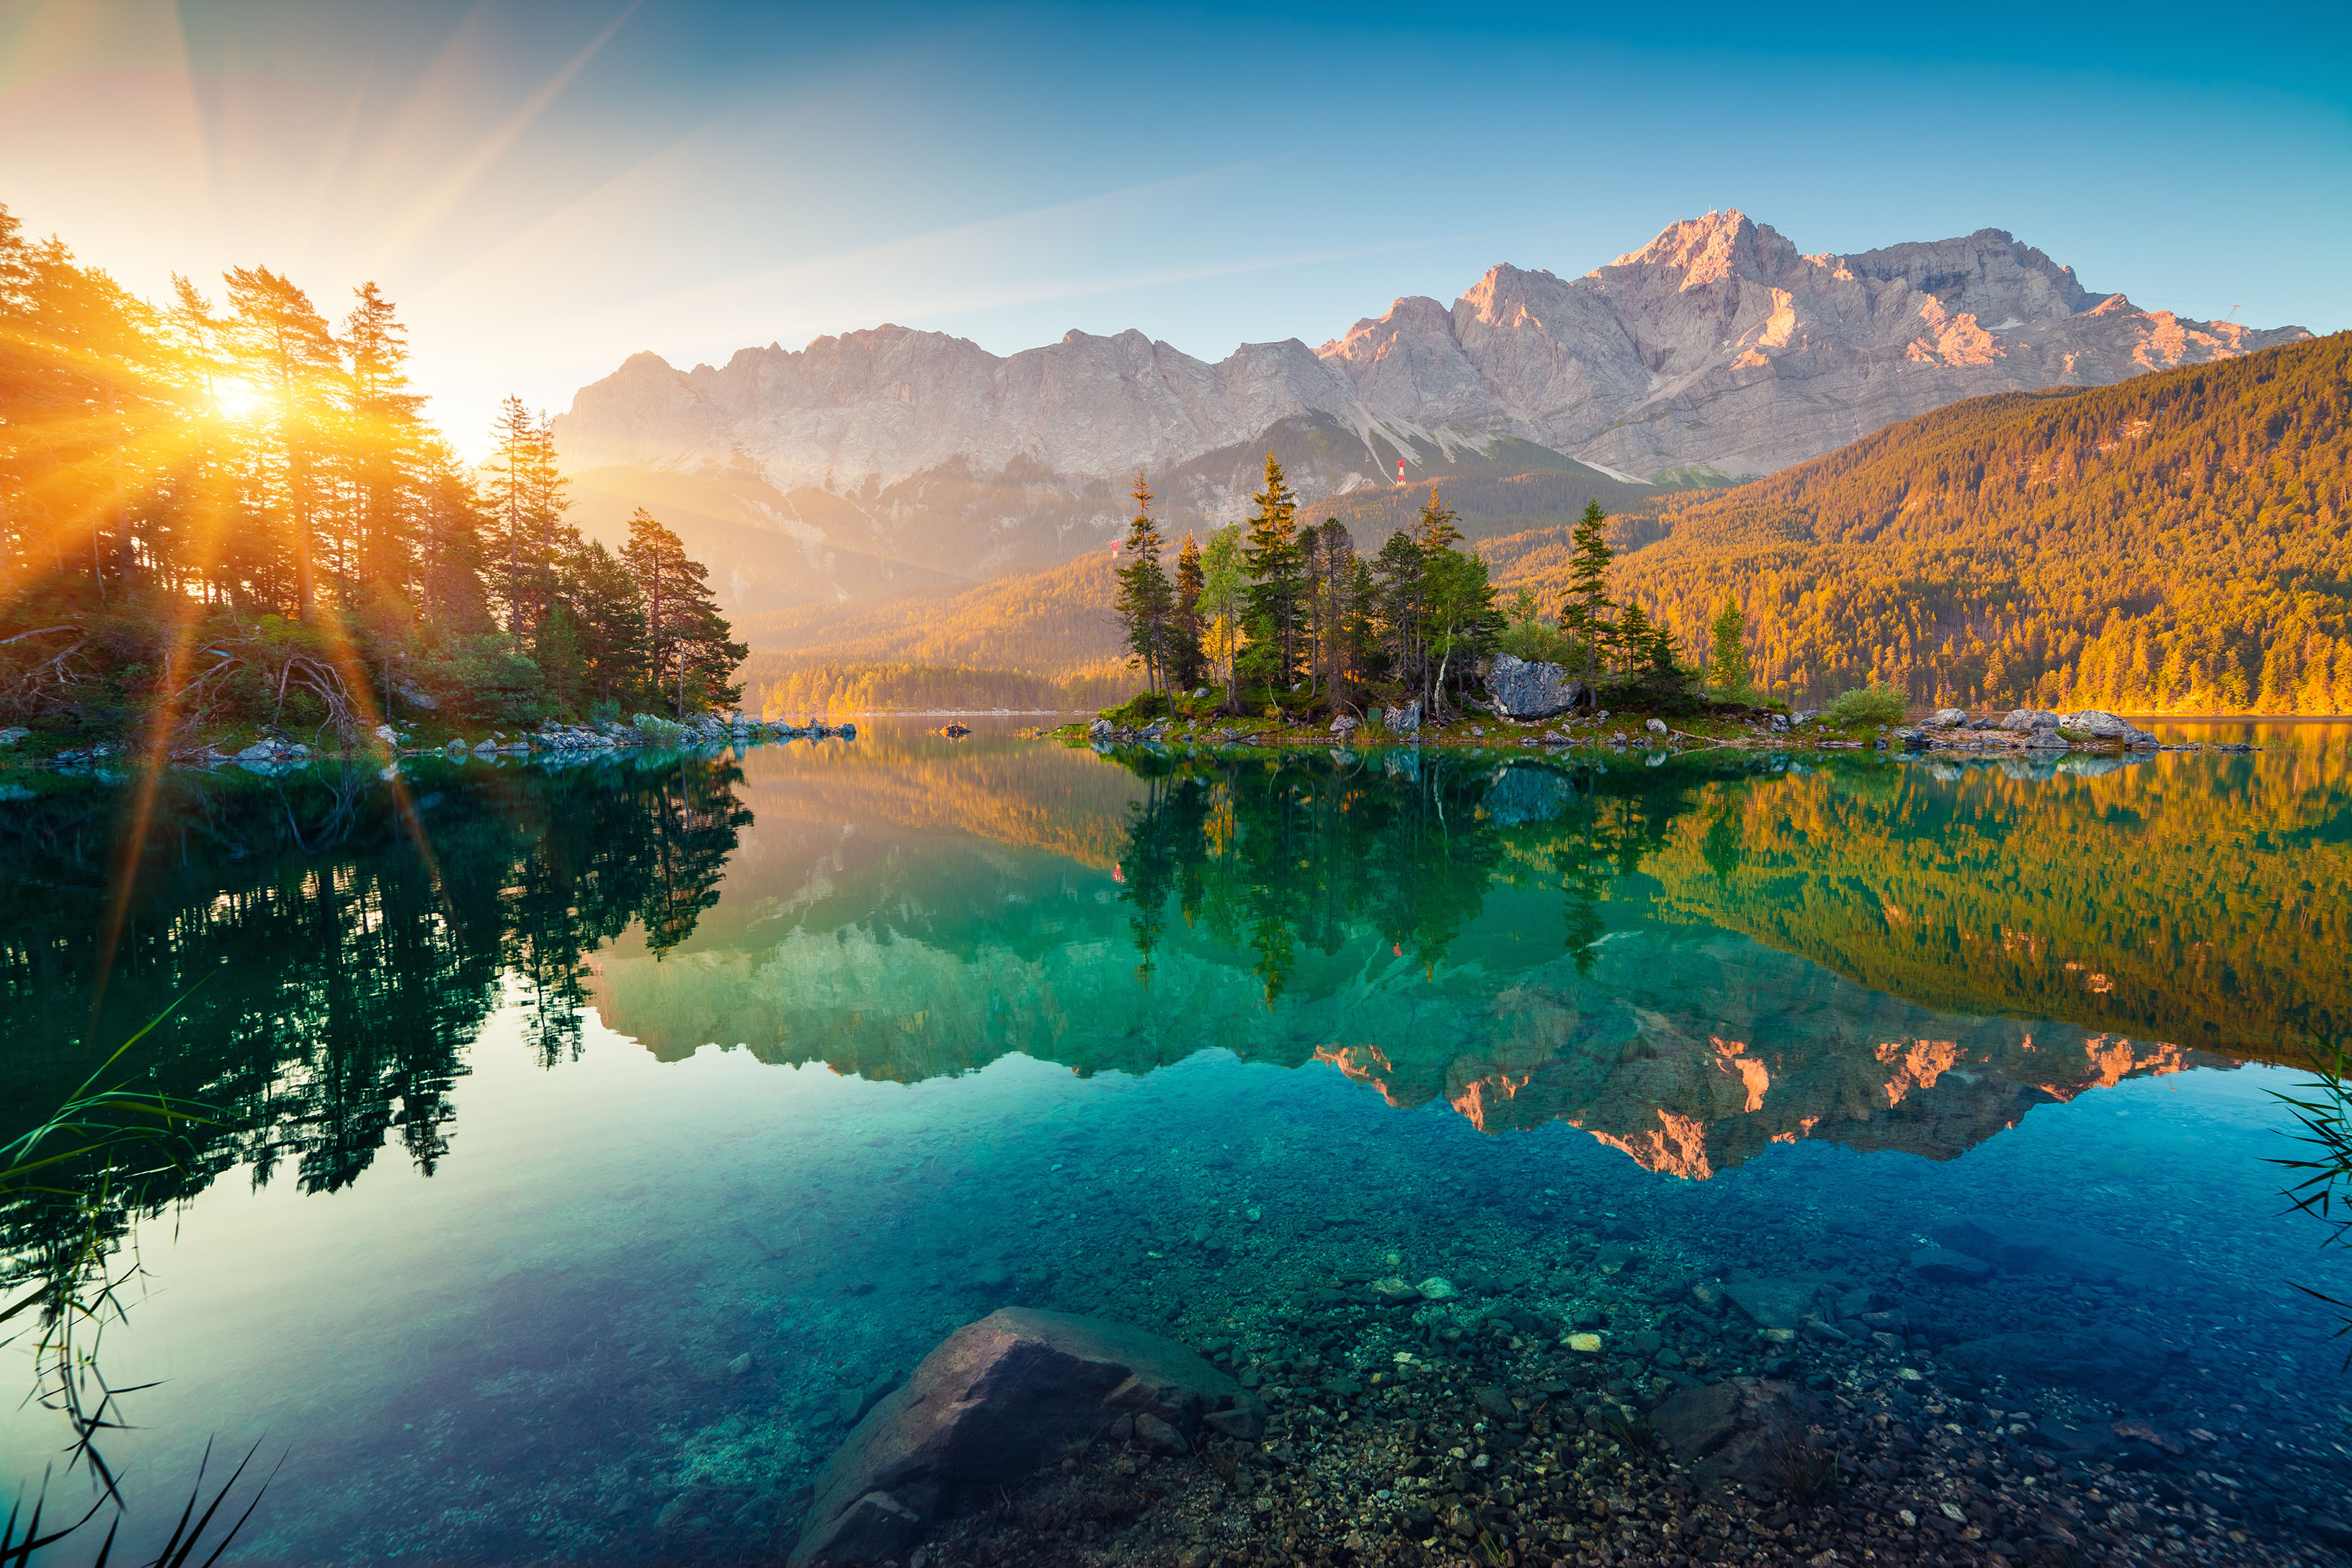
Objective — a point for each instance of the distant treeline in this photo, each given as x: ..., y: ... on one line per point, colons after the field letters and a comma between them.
x: 2178, y: 543
x: 775, y: 687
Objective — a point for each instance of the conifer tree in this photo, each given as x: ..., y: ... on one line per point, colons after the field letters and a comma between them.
x: 1401, y: 593
x: 603, y: 602
x: 1274, y: 572
x: 1145, y: 602
x: 688, y: 649
x: 1338, y: 608
x: 1726, y: 657
x: 1634, y: 633
x: 282, y: 335
x: 1186, y: 662
x: 1585, y: 615
x: 387, y: 438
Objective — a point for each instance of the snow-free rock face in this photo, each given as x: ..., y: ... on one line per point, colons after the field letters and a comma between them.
x: 1717, y: 347
x: 1524, y: 689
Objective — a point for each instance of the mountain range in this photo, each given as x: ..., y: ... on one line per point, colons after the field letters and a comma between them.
x: 889, y: 460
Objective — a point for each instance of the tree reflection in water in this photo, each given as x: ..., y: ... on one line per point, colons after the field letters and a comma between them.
x: 320, y: 975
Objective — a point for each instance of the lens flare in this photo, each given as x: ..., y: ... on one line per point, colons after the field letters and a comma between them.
x: 236, y: 398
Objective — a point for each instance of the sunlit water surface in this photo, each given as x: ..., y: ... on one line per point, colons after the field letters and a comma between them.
x: 592, y: 1139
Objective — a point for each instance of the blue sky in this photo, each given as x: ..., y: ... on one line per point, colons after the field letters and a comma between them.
x: 547, y: 187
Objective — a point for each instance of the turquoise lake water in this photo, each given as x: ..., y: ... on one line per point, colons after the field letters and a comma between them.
x: 592, y: 1141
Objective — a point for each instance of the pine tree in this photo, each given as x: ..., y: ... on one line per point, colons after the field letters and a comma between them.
x: 386, y: 439
x: 512, y: 489
x: 610, y: 624
x: 281, y: 333
x: 1186, y: 662
x: 1145, y: 601
x: 1585, y: 615
x: 688, y: 649
x: 1727, y: 659
x: 1273, y: 567
x: 1634, y: 633
x: 1400, y: 593
x: 1338, y: 608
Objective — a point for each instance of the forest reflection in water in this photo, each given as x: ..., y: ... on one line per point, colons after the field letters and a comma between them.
x: 1690, y: 961
x: 1727, y: 941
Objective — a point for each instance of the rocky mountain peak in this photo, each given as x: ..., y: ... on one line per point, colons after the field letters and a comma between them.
x: 1988, y: 273
x: 1716, y: 248
x: 1717, y: 348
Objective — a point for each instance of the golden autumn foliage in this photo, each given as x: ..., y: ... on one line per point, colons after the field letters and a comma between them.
x: 2120, y: 902
x: 2174, y: 544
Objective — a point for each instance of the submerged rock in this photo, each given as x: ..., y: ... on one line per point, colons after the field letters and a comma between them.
x: 1942, y: 1266
x: 2116, y: 1363
x: 1729, y: 1431
x: 994, y: 1401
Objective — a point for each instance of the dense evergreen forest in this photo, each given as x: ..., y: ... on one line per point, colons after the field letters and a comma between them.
x: 2178, y: 543
x: 1281, y: 613
x: 223, y: 514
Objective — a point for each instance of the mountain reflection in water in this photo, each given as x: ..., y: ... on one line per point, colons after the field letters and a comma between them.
x: 644, y: 1290
x: 1690, y: 961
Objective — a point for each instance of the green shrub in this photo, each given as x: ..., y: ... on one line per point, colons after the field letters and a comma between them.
x: 1867, y: 705
x: 1539, y: 644
x: 1139, y: 710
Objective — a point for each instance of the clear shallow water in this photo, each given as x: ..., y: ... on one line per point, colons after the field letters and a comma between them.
x: 634, y: 1072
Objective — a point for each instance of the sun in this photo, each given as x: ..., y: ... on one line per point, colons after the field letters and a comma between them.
x: 236, y: 398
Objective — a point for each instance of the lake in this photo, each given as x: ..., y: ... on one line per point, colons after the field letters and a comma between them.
x: 591, y: 1144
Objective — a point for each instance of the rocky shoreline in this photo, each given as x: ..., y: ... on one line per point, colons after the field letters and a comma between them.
x: 2024, y: 1404
x: 2025, y: 734
x: 549, y: 743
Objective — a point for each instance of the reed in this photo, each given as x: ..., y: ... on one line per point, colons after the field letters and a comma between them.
x: 77, y: 1287
x: 2322, y: 1109
x: 193, y: 1531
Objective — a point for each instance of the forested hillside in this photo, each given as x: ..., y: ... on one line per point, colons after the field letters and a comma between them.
x: 786, y: 686
x: 2176, y: 543
x: 1055, y: 623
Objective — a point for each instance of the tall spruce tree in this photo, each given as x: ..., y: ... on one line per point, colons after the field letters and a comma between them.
x: 1586, y: 614
x: 1727, y: 656
x: 1186, y: 662
x: 1338, y: 610
x: 280, y: 334
x: 1145, y: 601
x: 1275, y: 568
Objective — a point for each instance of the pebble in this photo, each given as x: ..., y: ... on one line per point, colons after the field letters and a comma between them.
x: 1437, y: 1287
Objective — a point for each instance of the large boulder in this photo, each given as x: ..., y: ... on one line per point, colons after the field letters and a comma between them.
x: 996, y: 1400
x: 2110, y: 1362
x: 2016, y: 1248
x: 2101, y: 725
x: 2029, y: 721
x: 1405, y: 721
x: 1523, y: 689
x: 1734, y: 1431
